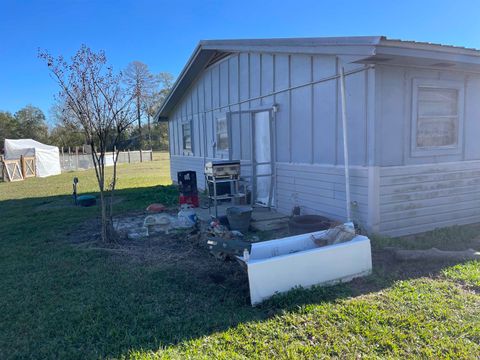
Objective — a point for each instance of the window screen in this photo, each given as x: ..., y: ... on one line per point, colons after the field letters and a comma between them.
x: 222, y: 134
x: 437, y: 117
x: 187, y: 137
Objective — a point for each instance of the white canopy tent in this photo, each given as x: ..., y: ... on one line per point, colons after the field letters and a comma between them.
x: 47, y: 158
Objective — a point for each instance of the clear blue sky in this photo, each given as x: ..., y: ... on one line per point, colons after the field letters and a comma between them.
x: 163, y: 34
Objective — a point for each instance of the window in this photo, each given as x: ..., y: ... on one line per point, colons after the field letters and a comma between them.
x: 222, y: 134
x: 187, y: 138
x: 437, y: 117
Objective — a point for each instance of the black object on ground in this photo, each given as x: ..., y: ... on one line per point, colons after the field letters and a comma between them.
x: 86, y: 200
x: 231, y: 247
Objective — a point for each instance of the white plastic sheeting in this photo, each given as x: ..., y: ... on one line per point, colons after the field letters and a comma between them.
x: 47, y: 158
x: 277, y: 266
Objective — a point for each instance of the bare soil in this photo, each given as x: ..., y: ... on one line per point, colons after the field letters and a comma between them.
x: 186, y: 249
x: 180, y: 248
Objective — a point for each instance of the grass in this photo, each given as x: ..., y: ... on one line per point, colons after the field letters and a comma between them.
x: 58, y: 301
x: 449, y: 238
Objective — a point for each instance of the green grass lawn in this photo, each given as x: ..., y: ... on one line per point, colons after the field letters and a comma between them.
x: 59, y: 301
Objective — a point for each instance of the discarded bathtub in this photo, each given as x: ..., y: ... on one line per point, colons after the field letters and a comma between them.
x: 277, y: 266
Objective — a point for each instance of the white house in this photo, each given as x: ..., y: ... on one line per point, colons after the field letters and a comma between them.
x: 413, y: 116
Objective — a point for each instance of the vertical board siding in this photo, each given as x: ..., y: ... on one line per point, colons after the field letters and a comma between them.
x: 419, y: 198
x: 224, y: 83
x: 305, y: 127
x: 320, y: 189
x: 301, y: 122
x: 282, y: 117
x: 472, y: 116
x: 324, y: 109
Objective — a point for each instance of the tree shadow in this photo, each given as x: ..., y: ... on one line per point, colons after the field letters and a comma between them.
x: 62, y: 300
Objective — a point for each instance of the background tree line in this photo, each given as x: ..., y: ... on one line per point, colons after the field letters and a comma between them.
x: 149, y: 91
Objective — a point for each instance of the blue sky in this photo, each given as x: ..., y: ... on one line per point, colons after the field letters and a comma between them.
x: 163, y: 34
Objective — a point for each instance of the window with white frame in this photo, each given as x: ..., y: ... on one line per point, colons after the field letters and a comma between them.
x: 187, y: 138
x: 437, y: 117
x: 222, y: 143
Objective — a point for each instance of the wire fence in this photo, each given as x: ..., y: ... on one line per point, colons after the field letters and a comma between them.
x: 80, y: 160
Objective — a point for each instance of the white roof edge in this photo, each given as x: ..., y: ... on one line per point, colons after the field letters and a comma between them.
x: 312, y: 41
x: 418, y: 45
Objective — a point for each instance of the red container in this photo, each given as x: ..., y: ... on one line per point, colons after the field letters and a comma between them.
x: 190, y: 200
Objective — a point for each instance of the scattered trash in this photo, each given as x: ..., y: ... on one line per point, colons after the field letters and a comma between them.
x: 186, y: 216
x: 137, y: 234
x: 236, y: 233
x: 164, y: 222
x: 141, y: 226
x: 156, y: 208
x: 149, y: 224
x: 224, y: 248
x: 336, y: 235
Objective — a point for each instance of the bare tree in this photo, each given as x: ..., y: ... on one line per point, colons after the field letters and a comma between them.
x: 96, y: 100
x: 156, y: 98
x: 143, y: 85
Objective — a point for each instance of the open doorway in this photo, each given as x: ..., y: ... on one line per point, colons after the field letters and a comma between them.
x: 251, y: 140
x: 262, y: 168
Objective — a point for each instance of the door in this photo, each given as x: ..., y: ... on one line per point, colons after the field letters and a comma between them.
x: 262, y: 158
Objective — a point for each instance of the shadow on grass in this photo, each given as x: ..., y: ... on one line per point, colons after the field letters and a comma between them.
x: 60, y: 302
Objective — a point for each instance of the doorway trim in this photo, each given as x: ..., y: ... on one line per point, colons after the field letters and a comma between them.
x: 272, y: 109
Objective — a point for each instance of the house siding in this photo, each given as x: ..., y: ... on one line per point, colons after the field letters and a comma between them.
x: 320, y: 189
x: 421, y: 193
x: 396, y: 191
x: 419, y: 198
x: 306, y: 127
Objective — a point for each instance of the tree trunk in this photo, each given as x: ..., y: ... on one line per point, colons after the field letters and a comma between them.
x: 139, y: 123
x: 107, y: 232
x: 149, y: 132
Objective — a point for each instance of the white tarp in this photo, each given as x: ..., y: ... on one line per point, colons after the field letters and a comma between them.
x: 47, y: 158
x: 279, y: 265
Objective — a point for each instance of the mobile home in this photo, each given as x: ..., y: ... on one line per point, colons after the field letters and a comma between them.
x: 413, y: 115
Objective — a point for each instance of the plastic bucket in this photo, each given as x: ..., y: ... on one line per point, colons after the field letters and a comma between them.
x: 239, y: 218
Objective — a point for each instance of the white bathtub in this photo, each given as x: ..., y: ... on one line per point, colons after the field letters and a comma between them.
x: 277, y: 266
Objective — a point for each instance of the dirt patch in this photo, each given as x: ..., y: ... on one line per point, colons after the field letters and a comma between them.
x: 180, y: 248
x: 187, y: 250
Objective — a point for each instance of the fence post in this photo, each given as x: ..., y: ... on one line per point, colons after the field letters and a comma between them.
x: 151, y: 154
x: 76, y: 157
x: 141, y: 155
x: 22, y: 165
x: 128, y: 156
